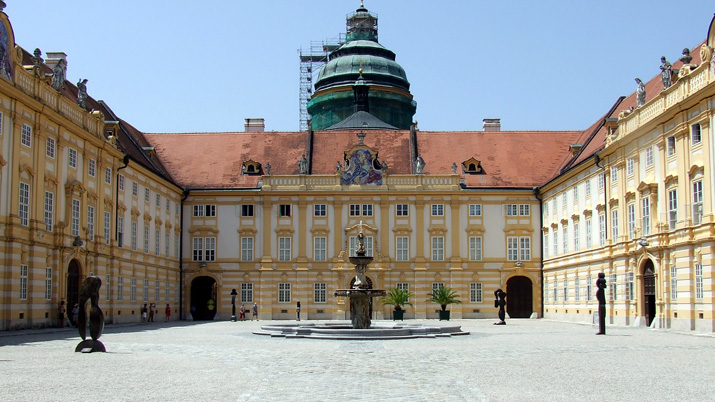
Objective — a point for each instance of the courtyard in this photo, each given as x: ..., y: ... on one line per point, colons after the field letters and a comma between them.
x: 525, y: 360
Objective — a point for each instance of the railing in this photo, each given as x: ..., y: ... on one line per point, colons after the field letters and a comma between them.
x: 682, y: 89
x: 332, y: 183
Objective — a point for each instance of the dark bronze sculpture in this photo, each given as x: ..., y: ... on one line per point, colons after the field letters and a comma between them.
x: 666, y: 72
x: 89, y: 290
x: 601, y: 297
x: 499, y: 301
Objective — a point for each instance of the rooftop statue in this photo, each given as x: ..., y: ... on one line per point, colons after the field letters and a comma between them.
x: 58, y: 75
x: 666, y: 72
x: 303, y: 165
x: 640, y: 93
x: 82, y: 93
x: 419, y: 165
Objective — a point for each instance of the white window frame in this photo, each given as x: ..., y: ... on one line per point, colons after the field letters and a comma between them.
x: 26, y: 135
x: 320, y: 248
x: 48, y: 283
x: 437, y: 209
x: 525, y: 209
x: 120, y: 288
x: 602, y: 229
x: 438, y: 248
x: 197, y: 249
x: 402, y: 210
x: 614, y: 225
x: 247, y: 210
x: 649, y: 160
x: 512, y: 248
x: 133, y: 294
x: 614, y: 174
x: 697, y: 202
x: 284, y: 210
x: 157, y: 242
x: 320, y: 292
x: 92, y: 168
x: 50, y: 148
x: 631, y: 219
x: 135, y: 189
x: 673, y: 282
x: 72, y: 158
x: 246, y: 292
x: 589, y: 234
x: 672, y: 208
x: 475, y: 209
x: 353, y: 242
x: 24, y: 204
x: 698, y: 281
x: 145, y: 292
x: 513, y: 209
x: 525, y: 248
x: 613, y: 286
x: 645, y: 215
x: 134, y: 236
x: 247, y: 249
x: 670, y: 141
x: 630, y: 167
x: 320, y: 210
x: 284, y: 249
x: 209, y: 249
x: 476, y: 292
x: 146, y: 239
x: 76, y: 216
x: 90, y: 223
x: 576, y: 238
x: 49, y: 210
x: 367, y: 210
x: 120, y: 182
x: 284, y: 292
x: 475, y: 248
x: 23, y: 281
x: 695, y: 134
x: 402, y: 248
x: 577, y: 289
x: 108, y: 175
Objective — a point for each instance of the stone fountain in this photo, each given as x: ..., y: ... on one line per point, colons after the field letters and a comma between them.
x: 360, y: 296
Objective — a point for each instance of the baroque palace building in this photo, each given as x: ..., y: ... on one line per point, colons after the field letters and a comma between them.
x: 185, y: 218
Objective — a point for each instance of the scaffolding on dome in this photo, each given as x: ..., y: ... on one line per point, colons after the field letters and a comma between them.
x: 311, y: 61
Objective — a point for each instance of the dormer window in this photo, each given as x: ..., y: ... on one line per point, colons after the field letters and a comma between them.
x: 251, y: 167
x: 472, y: 166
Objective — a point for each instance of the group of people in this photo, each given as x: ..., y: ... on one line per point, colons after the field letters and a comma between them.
x: 147, y: 313
x: 242, y: 312
x: 62, y: 315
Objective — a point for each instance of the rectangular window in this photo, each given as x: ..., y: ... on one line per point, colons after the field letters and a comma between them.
x: 671, y: 145
x: 198, y: 249
x: 475, y: 248
x: 247, y: 292
x: 120, y: 231
x: 556, y: 242
x: 631, y: 218
x: 168, y: 205
x: 24, y: 207
x: 75, y: 217
x: 210, y: 248
x: 437, y: 248
x: 613, y: 286
x: 437, y: 209
x: 50, y: 148
x: 556, y: 291
x: 512, y: 248
x: 577, y: 289
x: 672, y: 208
x: 366, y: 209
x: 645, y: 212
x: 614, y: 174
x: 72, y: 160
x: 354, y: 209
x: 48, y: 283
x: 146, y: 239
x: 403, y: 286
x: 546, y: 245
x: 120, y: 288
x: 565, y: 237
x: 601, y: 181
x: 630, y: 167
x: 649, y: 157
x: 320, y: 210
x: 247, y: 210
x: 205, y: 210
x: 49, y: 210
x: 589, y: 289
x: 284, y: 210
x: 92, y: 168
x: 630, y: 295
x: 589, y: 229
x: 513, y: 209
x: 695, y: 134
x: 555, y: 203
x: 108, y: 288
x: 246, y: 248
x: 26, y: 135
x: 614, y: 225
x: 673, y: 282
x: 320, y: 292
x: 134, y: 289
x: 157, y: 242
x: 564, y: 200
x: 90, y: 223
x: 23, y: 282
x: 158, y: 201
x: 284, y: 293
x: 157, y: 290
x: 354, y: 243
x: 135, y: 189
x: 437, y: 286
x: 576, y: 240
x: 134, y: 236
x: 147, y: 194
x: 566, y: 290
x: 525, y: 209
x: 587, y: 188
x: 525, y: 248
x: 575, y: 194
x: 697, y: 202
x: 177, y: 249
x: 167, y: 244
x: 402, y: 248
x: 108, y: 175
x: 176, y: 209
x: 475, y: 292
x: 602, y: 229
x: 146, y: 290
x: 402, y: 210
x: 475, y: 209
x: 120, y: 182
x: 320, y: 246
x: 284, y: 252
x: 698, y: 281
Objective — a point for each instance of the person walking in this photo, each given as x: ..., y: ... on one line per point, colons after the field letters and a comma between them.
x: 152, y: 307
x: 167, y: 313
x: 255, y: 312
x: 297, y: 310
x: 144, y: 312
x: 242, y: 315
x: 61, y: 315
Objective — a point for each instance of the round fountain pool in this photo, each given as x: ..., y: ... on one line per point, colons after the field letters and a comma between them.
x: 377, y: 331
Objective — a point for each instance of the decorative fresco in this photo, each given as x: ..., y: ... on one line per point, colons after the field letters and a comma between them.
x: 5, y: 48
x: 361, y: 167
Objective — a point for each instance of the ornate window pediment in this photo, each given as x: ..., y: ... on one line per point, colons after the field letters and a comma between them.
x: 472, y: 166
x: 646, y: 188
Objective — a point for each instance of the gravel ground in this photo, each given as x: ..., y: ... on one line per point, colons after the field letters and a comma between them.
x: 525, y: 360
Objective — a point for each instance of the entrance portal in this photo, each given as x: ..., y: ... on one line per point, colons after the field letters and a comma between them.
x: 203, y: 298
x: 519, y: 298
x: 73, y: 279
x: 649, y: 292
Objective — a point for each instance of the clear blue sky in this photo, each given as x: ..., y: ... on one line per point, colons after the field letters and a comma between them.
x: 187, y: 66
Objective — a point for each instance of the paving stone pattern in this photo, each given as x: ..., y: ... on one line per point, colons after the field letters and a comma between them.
x: 525, y: 360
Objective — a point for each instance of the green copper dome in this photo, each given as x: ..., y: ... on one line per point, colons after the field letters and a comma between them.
x: 389, y: 96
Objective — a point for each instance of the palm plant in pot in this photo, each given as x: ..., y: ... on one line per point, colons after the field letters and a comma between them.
x: 444, y: 296
x: 397, y: 297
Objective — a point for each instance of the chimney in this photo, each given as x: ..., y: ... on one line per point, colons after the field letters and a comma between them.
x: 52, y: 58
x: 491, y: 124
x: 255, y: 125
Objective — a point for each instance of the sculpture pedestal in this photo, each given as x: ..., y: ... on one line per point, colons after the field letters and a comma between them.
x: 360, y: 305
x: 89, y: 346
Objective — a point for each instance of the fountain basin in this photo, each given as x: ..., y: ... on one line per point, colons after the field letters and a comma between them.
x: 345, y: 331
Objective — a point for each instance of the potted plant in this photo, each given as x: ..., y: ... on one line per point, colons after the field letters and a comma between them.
x: 444, y: 296
x: 397, y: 297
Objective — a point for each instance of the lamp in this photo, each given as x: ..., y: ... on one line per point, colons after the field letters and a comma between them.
x: 233, y: 305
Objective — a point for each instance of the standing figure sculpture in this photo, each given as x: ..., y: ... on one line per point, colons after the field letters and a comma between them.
x: 601, y: 297
x: 640, y: 93
x: 58, y: 75
x: 89, y: 291
x: 82, y: 93
x: 499, y: 301
x: 419, y: 165
x: 666, y: 72
x: 303, y: 165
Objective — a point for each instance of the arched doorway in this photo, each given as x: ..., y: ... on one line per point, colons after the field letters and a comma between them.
x: 649, y: 292
x: 369, y: 286
x: 203, y: 298
x: 73, y: 279
x: 519, y: 301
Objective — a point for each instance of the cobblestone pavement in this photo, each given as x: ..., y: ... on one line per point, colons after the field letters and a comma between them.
x: 525, y: 360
